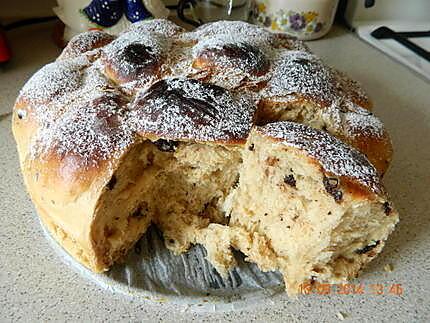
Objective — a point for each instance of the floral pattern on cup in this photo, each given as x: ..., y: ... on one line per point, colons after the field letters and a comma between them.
x: 292, y: 22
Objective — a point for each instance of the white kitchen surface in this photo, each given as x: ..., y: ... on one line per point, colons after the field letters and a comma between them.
x: 396, y: 50
x: 36, y: 285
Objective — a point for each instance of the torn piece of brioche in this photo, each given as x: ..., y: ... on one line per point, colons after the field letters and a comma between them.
x: 310, y: 206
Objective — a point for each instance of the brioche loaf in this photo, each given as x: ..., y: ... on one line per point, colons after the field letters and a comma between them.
x: 230, y: 136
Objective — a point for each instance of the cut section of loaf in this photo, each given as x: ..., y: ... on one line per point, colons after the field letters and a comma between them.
x: 103, y: 171
x: 310, y: 206
x: 178, y: 186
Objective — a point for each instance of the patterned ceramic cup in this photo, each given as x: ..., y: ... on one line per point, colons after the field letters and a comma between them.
x: 304, y: 19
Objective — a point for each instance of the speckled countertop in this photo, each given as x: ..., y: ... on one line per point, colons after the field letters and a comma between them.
x: 36, y: 285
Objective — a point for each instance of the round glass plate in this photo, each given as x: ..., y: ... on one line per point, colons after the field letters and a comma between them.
x: 151, y: 272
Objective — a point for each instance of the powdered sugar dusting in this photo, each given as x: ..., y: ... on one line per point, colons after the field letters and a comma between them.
x: 301, y: 73
x: 232, y: 59
x: 245, y: 31
x: 158, y: 44
x: 218, y: 41
x: 334, y: 156
x: 85, y: 42
x: 161, y: 26
x: 135, y: 54
x: 298, y: 73
x: 361, y: 122
x: 92, y: 130
x: 252, y: 33
x: 285, y: 41
x: 239, y: 50
x: 63, y: 92
x: 92, y: 84
x: 232, y: 52
x: 227, y: 26
x: 53, y: 81
x: 350, y: 88
x: 189, y: 109
x: 179, y: 62
x: 352, y: 121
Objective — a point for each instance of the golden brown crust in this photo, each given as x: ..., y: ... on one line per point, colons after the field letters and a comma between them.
x: 349, y: 122
x: 334, y: 156
x: 302, y: 74
x: 249, y: 59
x: 85, y: 42
x: 135, y: 56
x: 186, y: 109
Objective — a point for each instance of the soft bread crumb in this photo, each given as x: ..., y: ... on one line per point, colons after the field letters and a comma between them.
x: 274, y: 203
x: 301, y: 221
x: 217, y: 241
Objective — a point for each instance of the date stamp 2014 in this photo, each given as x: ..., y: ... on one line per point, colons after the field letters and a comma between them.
x: 309, y: 288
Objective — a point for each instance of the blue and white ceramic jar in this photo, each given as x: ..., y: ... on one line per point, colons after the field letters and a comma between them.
x: 112, y: 16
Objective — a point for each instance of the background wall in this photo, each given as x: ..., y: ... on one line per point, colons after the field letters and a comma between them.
x: 25, y: 8
x: 389, y: 9
x: 12, y: 9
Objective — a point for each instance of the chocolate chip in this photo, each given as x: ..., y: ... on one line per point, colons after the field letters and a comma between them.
x: 251, y: 147
x: 166, y: 145
x: 227, y: 219
x: 137, y: 213
x: 331, y: 186
x: 204, y: 211
x: 138, y: 54
x: 302, y: 61
x: 149, y: 159
x: 137, y: 248
x: 111, y: 184
x: 290, y: 180
x: 387, y: 208
x: 337, y: 195
x: 236, y: 182
x: 140, y: 211
x: 366, y: 249
x: 343, y: 109
x: 272, y: 161
x: 21, y: 114
x: 241, y: 54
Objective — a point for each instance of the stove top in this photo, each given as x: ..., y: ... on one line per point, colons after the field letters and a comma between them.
x: 408, y: 43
